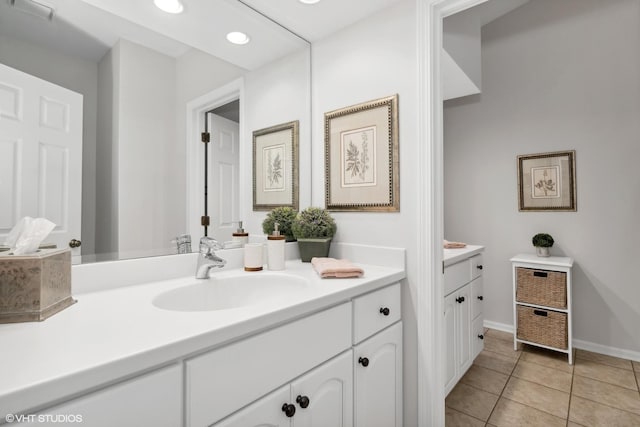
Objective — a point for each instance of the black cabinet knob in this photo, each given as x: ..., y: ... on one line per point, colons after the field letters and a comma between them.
x: 480, y: 297
x: 289, y: 410
x: 460, y: 300
x: 303, y: 401
x: 385, y: 311
x: 479, y: 267
x: 481, y: 336
x: 74, y: 243
x: 363, y: 361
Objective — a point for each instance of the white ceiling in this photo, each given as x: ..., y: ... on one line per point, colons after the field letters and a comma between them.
x: 314, y: 22
x: 89, y: 28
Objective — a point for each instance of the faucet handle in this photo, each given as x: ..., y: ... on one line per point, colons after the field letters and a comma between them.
x: 208, y: 244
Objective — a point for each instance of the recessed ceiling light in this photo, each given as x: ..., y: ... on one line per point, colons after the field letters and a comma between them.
x: 169, y: 6
x: 309, y: 1
x: 236, y: 37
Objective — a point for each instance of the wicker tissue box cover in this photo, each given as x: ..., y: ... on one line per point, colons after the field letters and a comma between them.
x: 36, y: 286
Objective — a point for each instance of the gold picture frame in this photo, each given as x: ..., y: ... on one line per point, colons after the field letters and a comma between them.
x: 362, y: 157
x: 275, y: 166
x: 547, y: 182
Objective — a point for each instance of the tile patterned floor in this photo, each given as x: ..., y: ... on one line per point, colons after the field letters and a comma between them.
x: 537, y: 387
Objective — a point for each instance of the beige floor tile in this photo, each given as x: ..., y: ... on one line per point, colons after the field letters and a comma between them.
x: 592, y: 414
x: 608, y: 374
x: 604, y: 359
x: 455, y: 418
x: 546, y: 399
x: 548, y: 358
x: 496, y: 361
x: 485, y: 379
x: 572, y: 424
x: 509, y: 414
x: 503, y: 347
x: 636, y: 366
x: 607, y: 394
x: 543, y: 375
x: 471, y: 401
x: 505, y: 336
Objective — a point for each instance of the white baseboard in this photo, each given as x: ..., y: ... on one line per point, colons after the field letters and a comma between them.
x: 582, y: 345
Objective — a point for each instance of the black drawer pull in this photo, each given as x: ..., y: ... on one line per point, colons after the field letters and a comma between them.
x: 540, y: 273
x: 480, y: 297
x: 479, y: 267
x: 289, y: 410
x: 481, y: 336
x: 540, y: 313
x: 385, y: 311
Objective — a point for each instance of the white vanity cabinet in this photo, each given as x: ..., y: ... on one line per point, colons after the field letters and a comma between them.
x: 152, y: 399
x: 463, y: 319
x: 361, y: 387
x: 321, y: 398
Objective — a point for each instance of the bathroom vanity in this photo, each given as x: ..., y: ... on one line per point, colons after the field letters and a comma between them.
x: 328, y: 354
x: 463, y: 319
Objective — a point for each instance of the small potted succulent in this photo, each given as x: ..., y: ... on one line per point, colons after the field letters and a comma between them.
x: 314, y: 228
x: 542, y: 242
x: 284, y: 216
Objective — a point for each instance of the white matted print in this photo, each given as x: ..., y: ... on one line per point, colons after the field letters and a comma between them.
x: 547, y: 182
x: 275, y: 167
x: 358, y: 157
x: 362, y: 157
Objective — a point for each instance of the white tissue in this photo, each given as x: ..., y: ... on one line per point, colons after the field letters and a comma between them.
x: 28, y: 233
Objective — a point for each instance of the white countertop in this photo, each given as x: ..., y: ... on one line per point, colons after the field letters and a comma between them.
x: 113, y: 334
x: 558, y: 261
x: 452, y: 256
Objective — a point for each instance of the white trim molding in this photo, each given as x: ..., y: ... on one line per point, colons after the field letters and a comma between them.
x: 430, y: 294
x: 195, y: 168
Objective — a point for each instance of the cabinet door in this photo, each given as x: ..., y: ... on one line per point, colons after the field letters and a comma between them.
x: 477, y: 297
x: 450, y: 342
x: 153, y: 399
x: 266, y: 412
x: 378, y: 385
x: 463, y: 311
x: 477, y: 337
x: 324, y: 397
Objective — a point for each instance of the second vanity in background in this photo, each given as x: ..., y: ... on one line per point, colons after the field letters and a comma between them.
x: 463, y: 319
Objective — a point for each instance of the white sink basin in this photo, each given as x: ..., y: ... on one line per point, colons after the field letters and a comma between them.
x: 232, y: 291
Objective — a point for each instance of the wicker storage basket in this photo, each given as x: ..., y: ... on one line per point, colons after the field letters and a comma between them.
x: 545, y: 327
x: 541, y: 287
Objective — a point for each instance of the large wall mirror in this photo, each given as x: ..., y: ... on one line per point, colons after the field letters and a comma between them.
x: 146, y: 77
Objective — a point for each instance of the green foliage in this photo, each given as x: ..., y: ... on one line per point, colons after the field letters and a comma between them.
x: 313, y: 223
x: 542, y: 240
x: 284, y: 216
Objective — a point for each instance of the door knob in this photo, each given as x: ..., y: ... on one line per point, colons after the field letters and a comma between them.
x: 289, y: 410
x: 74, y: 243
x: 303, y: 401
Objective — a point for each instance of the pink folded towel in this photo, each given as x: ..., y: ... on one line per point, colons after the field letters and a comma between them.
x: 331, y: 267
x: 454, y: 245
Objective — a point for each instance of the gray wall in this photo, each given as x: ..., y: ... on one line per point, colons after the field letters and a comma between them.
x: 557, y: 75
x: 374, y: 58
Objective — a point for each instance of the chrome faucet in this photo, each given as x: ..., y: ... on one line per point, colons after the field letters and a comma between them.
x: 207, y: 259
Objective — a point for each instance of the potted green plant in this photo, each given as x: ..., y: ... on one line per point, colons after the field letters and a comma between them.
x: 314, y: 228
x: 284, y: 216
x: 542, y: 242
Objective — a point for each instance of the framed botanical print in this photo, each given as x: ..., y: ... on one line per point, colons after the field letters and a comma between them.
x: 275, y: 167
x: 362, y: 158
x: 547, y: 181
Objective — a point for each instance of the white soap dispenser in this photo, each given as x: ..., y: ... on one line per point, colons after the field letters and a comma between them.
x: 275, y: 249
x: 240, y: 236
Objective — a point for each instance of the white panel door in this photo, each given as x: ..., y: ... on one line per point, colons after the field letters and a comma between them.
x: 378, y: 380
x: 40, y: 154
x: 324, y: 397
x: 223, y: 177
x: 450, y: 342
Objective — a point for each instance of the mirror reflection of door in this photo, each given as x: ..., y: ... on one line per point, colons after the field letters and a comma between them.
x: 40, y: 155
x: 223, y: 170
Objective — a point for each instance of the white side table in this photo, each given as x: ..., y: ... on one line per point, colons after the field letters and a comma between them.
x: 542, y: 302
